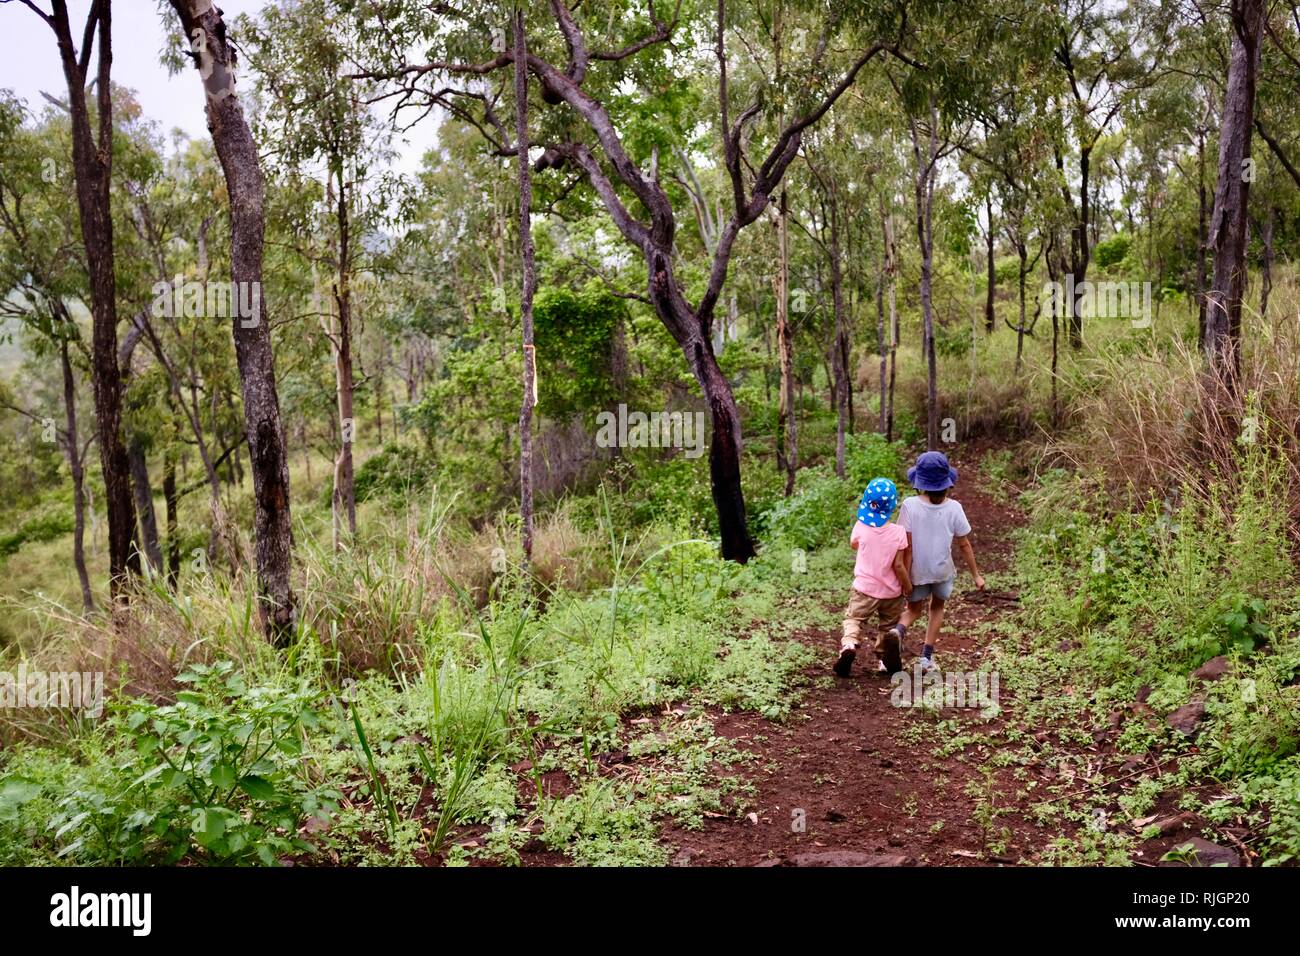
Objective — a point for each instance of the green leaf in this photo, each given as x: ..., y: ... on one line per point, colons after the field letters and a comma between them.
x: 222, y: 776
x: 208, y: 825
x: 259, y: 788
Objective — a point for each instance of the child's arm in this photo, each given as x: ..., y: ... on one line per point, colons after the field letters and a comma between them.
x: 968, y: 555
x: 901, y: 566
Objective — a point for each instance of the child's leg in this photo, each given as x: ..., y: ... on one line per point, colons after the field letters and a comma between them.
x: 860, y: 606
x: 888, y: 645
x: 855, y: 615
x: 933, y: 623
x: 939, y: 595
x: 913, y: 611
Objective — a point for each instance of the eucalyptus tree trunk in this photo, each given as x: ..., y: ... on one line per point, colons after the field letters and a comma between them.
x: 73, y: 443
x: 882, y: 348
x: 1232, y: 194
x: 235, y: 148
x: 144, y: 506
x: 1266, y: 276
x: 924, y: 190
x: 787, y: 441
x: 344, y: 498
x: 1022, y: 271
x: 990, y: 319
x: 891, y: 273
x: 172, y: 501
x: 529, y: 281
x: 839, y: 362
x: 92, y: 160
x: 1202, y: 238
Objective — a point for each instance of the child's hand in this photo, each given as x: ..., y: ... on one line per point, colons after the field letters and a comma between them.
x: 979, y: 582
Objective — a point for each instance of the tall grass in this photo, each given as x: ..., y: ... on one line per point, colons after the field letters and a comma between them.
x: 1151, y: 420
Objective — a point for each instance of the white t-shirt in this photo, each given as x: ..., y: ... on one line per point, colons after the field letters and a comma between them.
x: 932, y: 528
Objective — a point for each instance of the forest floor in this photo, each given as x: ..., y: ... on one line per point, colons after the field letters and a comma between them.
x: 850, y: 778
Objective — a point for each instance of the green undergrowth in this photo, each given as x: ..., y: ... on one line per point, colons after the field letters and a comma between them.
x: 571, y: 722
x: 1121, y: 601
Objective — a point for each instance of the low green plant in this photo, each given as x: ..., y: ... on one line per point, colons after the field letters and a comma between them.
x: 216, y: 776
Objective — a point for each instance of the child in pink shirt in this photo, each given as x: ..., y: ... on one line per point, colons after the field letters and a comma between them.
x: 880, y: 579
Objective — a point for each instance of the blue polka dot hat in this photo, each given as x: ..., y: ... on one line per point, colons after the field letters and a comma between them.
x: 878, y: 502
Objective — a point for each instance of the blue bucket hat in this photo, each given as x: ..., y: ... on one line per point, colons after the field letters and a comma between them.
x: 878, y: 502
x: 932, y: 472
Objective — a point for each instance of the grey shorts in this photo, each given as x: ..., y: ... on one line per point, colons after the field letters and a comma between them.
x: 940, y: 589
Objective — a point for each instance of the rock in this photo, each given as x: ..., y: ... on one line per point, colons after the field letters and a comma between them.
x: 1186, y: 717
x: 1206, y: 854
x: 683, y: 858
x: 848, y: 858
x: 1173, y: 824
x: 1213, y: 669
x: 752, y: 818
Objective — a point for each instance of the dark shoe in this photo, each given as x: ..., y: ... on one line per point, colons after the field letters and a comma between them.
x: 845, y: 663
x: 891, y: 653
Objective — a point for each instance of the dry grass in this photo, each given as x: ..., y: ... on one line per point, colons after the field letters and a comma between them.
x: 375, y: 608
x: 1158, y: 421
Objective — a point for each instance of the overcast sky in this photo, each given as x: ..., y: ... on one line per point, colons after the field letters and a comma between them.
x: 29, y: 64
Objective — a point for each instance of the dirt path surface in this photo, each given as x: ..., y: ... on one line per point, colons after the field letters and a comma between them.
x: 852, y: 779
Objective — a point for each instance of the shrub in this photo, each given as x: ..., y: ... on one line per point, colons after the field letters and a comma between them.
x: 821, y: 509
x: 394, y: 472
x: 213, y: 777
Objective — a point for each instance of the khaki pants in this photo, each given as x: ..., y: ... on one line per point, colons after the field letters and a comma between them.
x: 861, y: 608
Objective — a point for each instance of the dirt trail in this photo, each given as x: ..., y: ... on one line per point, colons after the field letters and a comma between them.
x: 859, y: 773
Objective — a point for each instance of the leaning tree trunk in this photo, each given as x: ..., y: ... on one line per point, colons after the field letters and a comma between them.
x: 92, y: 172
x: 78, y: 479
x: 1232, y: 195
x: 692, y: 336
x: 529, y: 280
x: 237, y: 152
